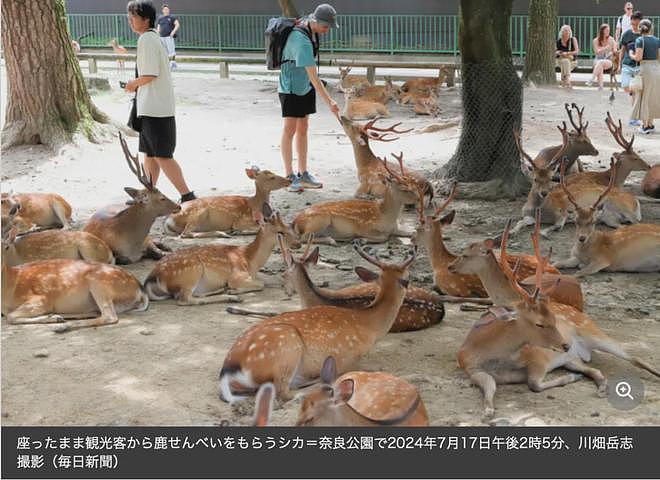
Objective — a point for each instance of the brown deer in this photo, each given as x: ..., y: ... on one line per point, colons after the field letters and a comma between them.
x: 289, y: 349
x: 420, y: 309
x: 651, y: 182
x: 425, y: 83
x: 347, y: 82
x: 379, y: 93
x: 632, y: 248
x: 66, y: 292
x: 38, y: 210
x: 118, y: 49
x: 424, y: 102
x: 624, y: 162
x: 126, y: 229
x: 361, y: 399
x: 213, y: 216
x: 356, y: 108
x: 196, y: 275
x: 370, y: 168
x: 373, y: 220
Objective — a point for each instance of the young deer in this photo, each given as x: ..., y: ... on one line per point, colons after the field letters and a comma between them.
x: 195, y: 275
x: 116, y: 48
x: 66, y: 291
x: 38, y: 210
x: 356, y: 108
x: 651, y: 182
x: 425, y: 83
x: 379, y: 93
x: 361, y: 399
x: 370, y: 168
x: 420, y: 309
x: 289, y: 349
x: 212, y: 216
x: 347, y: 82
x: 126, y: 229
x: 624, y: 162
x: 632, y: 248
x: 373, y: 220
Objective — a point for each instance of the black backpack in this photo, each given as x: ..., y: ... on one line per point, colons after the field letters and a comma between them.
x: 277, y: 33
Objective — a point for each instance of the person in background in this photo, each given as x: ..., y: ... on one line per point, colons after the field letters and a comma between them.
x: 167, y: 28
x: 628, y: 67
x: 566, y: 53
x: 604, y: 48
x: 647, y: 101
x: 298, y: 85
x: 155, y: 99
x: 623, y: 22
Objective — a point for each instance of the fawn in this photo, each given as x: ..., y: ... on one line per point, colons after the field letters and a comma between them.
x: 38, y: 210
x: 361, y: 399
x: 195, y: 275
x: 212, y: 216
x: 289, y: 349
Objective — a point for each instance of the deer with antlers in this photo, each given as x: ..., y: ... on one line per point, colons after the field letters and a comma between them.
x: 420, y: 309
x: 361, y: 399
x: 348, y: 82
x: 125, y: 229
x: 38, y: 211
x: 70, y: 293
x: 290, y: 349
x: 356, y: 108
x: 373, y: 220
x: 632, y: 248
x: 196, y: 275
x: 625, y: 162
x: 213, y: 216
x: 370, y: 168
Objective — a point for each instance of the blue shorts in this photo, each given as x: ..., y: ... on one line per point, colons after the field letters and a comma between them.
x: 627, y: 73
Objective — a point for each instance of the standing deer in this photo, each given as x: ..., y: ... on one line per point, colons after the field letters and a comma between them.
x: 118, y: 49
x: 420, y: 309
x: 632, y: 248
x: 195, y: 275
x: 347, y: 82
x: 373, y: 220
x: 126, y: 229
x: 38, y: 210
x: 67, y: 292
x: 212, y: 216
x: 289, y: 349
x: 370, y: 168
x: 361, y: 399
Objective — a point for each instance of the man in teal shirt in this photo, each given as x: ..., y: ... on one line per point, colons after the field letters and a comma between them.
x: 297, y: 89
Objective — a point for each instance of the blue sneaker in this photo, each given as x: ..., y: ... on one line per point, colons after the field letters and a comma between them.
x: 295, y: 186
x: 307, y: 180
x: 634, y: 123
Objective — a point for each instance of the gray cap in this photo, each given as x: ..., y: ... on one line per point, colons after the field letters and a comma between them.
x: 325, y: 15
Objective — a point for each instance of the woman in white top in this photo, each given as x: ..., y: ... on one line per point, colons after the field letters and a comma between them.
x: 604, y: 48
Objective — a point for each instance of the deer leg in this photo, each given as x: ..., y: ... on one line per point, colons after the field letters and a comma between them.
x: 525, y: 222
x: 32, y: 312
x: 537, y: 368
x: 596, y: 265
x: 571, y: 262
x: 242, y: 282
x: 555, y: 227
x: 152, y: 250
x: 186, y: 298
x: 488, y: 386
x: 593, y: 373
x: 59, y: 212
x: 327, y: 240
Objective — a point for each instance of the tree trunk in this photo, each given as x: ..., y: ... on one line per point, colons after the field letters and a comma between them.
x: 47, y: 100
x: 541, y: 38
x: 492, y: 103
x: 288, y: 9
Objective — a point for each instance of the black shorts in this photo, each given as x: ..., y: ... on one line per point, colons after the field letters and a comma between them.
x: 298, y: 106
x: 158, y: 136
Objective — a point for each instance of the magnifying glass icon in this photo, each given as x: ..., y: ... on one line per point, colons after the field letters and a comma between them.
x: 623, y: 390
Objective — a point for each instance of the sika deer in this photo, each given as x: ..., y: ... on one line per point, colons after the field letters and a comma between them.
x: 379, y: 93
x: 624, y: 162
x: 361, y: 399
x: 126, y: 229
x: 195, y: 275
x: 370, y: 168
x: 651, y: 182
x: 212, y: 216
x: 289, y: 349
x: 420, y: 309
x: 632, y: 248
x: 356, y: 108
x: 373, y: 220
x: 425, y: 83
x: 347, y: 82
x: 66, y: 291
x: 38, y: 210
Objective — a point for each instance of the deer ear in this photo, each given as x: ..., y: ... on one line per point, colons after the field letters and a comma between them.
x: 344, y: 391
x: 366, y: 275
x: 329, y: 370
x: 250, y: 173
x: 449, y: 218
x: 15, y: 208
x: 313, y: 257
x: 489, y: 244
x: 132, y: 192
x: 264, y: 404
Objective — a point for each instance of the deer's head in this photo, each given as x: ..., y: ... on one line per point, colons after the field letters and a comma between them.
x: 272, y: 225
x: 430, y: 227
x: 322, y: 405
x: 343, y: 72
x: 267, y: 180
x: 393, y: 278
x: 627, y: 160
x: 578, y: 138
x: 296, y: 266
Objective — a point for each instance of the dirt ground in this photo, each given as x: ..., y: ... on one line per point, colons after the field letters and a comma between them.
x: 161, y: 367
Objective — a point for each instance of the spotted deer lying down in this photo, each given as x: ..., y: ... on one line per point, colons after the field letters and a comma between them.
x: 196, y: 275
x: 347, y: 82
x: 289, y: 349
x: 420, y: 309
x: 212, y: 216
x: 38, y: 210
x: 68, y: 292
x: 362, y: 399
x: 356, y: 108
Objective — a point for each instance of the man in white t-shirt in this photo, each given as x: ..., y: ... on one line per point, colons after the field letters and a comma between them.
x: 623, y: 22
x: 155, y: 99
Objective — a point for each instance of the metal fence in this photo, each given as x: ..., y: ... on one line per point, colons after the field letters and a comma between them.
x: 358, y: 33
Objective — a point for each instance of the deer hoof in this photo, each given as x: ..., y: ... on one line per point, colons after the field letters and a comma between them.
x: 488, y: 413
